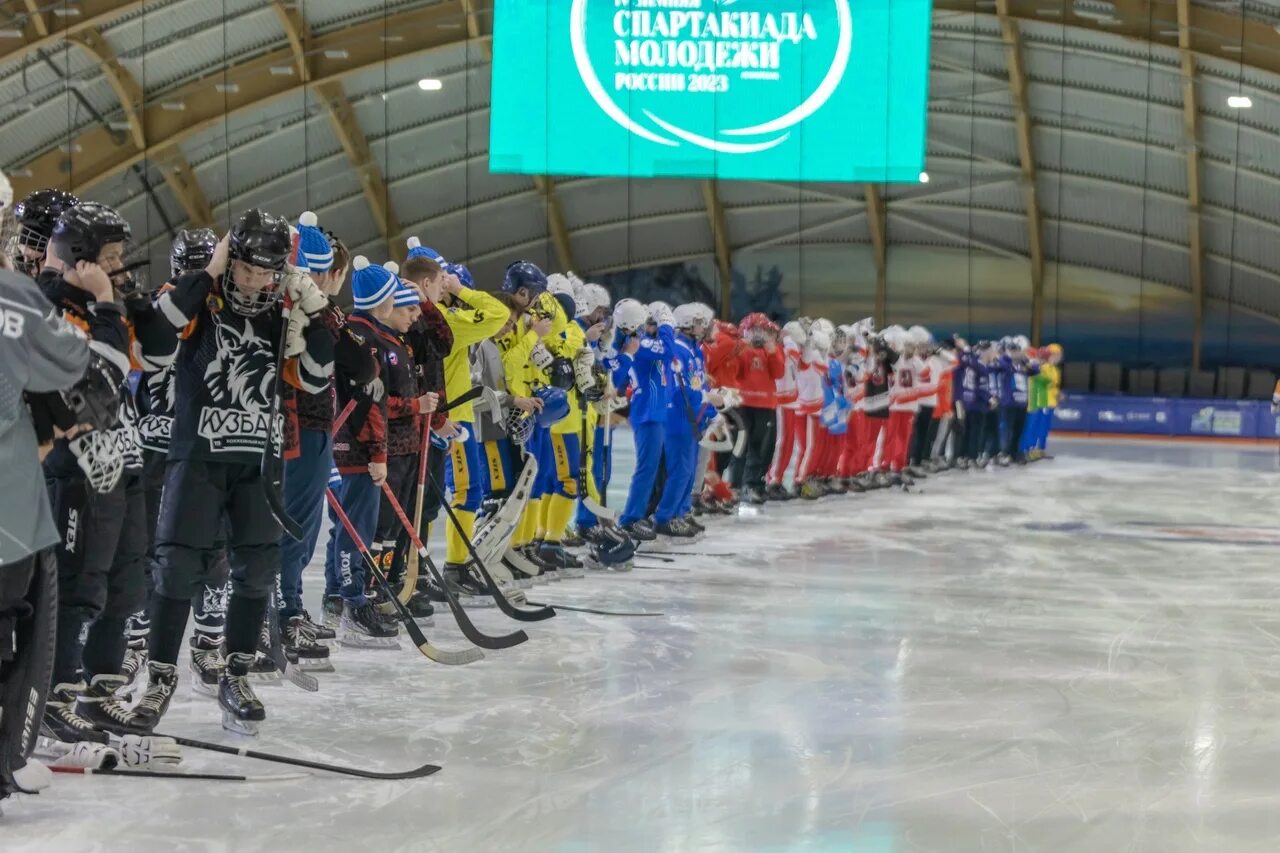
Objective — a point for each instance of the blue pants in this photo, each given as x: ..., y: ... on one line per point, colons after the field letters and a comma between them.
x: 305, y: 479
x: 681, y: 454
x: 649, y: 439
x: 1029, y: 432
x: 601, y: 471
x: 344, y: 569
x: 1042, y: 431
x: 539, y: 446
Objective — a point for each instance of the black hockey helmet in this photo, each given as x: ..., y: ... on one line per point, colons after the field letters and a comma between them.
x: 260, y: 240
x: 83, y: 231
x: 35, y: 217
x: 192, y: 250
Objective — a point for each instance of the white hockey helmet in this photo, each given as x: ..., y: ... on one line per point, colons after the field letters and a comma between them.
x: 825, y: 326
x: 656, y: 309
x: 6, y: 192
x: 895, y: 337
x: 1021, y: 342
x: 919, y: 336
x: 819, y: 339
x: 688, y: 315
x: 560, y: 283
x: 796, y: 332
x: 629, y: 315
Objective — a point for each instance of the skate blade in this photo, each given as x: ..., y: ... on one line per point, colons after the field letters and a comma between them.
x: 322, y: 665
x: 362, y: 641
x: 266, y: 678
x: 476, y: 601
x: 200, y: 688
x: 237, y: 726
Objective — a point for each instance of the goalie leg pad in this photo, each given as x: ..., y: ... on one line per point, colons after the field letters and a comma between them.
x: 24, y: 678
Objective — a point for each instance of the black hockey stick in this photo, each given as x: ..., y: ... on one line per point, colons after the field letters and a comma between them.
x: 272, y: 465
x: 469, y: 630
x: 593, y: 611
x: 416, y: 773
x: 431, y: 652
x: 302, y: 680
x: 175, y: 774
x: 501, y: 600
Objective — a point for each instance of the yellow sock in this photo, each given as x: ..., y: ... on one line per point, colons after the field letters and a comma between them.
x: 528, y: 523
x: 560, y: 511
x: 544, y: 516
x: 455, y: 550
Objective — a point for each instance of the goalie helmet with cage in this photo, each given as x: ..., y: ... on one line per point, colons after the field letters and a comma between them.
x: 34, y: 218
x: 262, y: 242
x: 519, y: 426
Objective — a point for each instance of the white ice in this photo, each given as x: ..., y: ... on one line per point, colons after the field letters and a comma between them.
x: 1080, y: 655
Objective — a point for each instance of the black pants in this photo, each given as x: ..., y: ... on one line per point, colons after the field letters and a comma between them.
x: 200, y: 497
x: 1015, y: 418
x: 390, y: 537
x: 101, y: 571
x: 974, y: 433
x: 922, y: 434
x: 750, y: 468
x: 991, y: 433
x: 28, y: 604
x: 659, y: 483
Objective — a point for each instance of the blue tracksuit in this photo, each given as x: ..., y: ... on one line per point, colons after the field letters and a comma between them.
x: 647, y: 371
x: 684, y: 416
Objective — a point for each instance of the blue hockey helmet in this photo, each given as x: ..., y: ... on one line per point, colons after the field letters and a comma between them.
x: 555, y: 405
x: 523, y: 274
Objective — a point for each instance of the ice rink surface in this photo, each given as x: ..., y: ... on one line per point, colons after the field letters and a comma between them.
x: 1080, y: 655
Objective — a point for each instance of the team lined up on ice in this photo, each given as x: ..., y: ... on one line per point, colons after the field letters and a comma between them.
x: 164, y: 500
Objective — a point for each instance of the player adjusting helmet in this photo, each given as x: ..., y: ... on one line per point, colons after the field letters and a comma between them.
x: 819, y: 339
x: 594, y: 297
x: 259, y: 239
x: 82, y: 232
x: 839, y: 340
x: 629, y: 315
x: 192, y: 250
x: 806, y: 323
x: 689, y: 316
x: 825, y: 326
x: 523, y: 274
x: 757, y: 320
x: 555, y: 405
x: 658, y: 309
x: 796, y: 332
x: 36, y: 215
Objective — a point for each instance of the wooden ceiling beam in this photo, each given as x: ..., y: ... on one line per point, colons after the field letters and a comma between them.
x: 879, y: 247
x: 555, y: 221
x: 723, y: 247
x: 1191, y: 133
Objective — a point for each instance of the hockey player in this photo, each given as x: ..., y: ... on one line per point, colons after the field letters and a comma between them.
x: 40, y: 353
x: 876, y: 406
x: 362, y: 449
x: 1049, y: 379
x: 643, y: 360
x: 310, y: 458
x: 101, y: 568
x: 976, y: 400
x: 36, y: 215
x: 472, y: 316
x: 811, y: 433
x: 760, y: 366
x: 795, y: 337
x: 1016, y: 369
x: 225, y: 379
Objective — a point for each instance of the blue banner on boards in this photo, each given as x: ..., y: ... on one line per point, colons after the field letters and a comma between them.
x: 1111, y: 413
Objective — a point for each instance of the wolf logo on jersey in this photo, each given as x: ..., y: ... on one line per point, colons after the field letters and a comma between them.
x: 240, y: 376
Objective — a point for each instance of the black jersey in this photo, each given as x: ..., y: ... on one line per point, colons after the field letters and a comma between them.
x: 224, y: 375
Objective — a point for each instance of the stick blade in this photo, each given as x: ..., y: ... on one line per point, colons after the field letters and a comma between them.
x: 451, y: 658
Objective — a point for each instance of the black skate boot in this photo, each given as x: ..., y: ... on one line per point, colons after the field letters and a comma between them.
x: 421, y: 609
x: 777, y: 492
x: 162, y: 680
x: 322, y: 633
x: 673, y: 533
x: 755, y: 495
x: 206, y: 664
x: 468, y: 591
x: 362, y: 629
x: 134, y: 666
x: 62, y: 723
x: 301, y: 647
x: 547, y: 571
x: 566, y: 565
x: 241, y: 709
x: 523, y: 578
x: 264, y: 669
x: 572, y: 539
x: 99, y: 706
x: 640, y: 531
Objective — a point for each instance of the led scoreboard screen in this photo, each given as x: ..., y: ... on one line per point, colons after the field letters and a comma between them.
x: 808, y: 90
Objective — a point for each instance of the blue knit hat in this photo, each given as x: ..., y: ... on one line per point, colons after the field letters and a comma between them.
x: 371, y: 285
x: 314, y: 251
x: 417, y: 250
x: 406, y: 294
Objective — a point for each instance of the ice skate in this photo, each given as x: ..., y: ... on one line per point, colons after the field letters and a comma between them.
x: 361, y: 628
x: 61, y: 722
x: 777, y: 492
x: 331, y: 615
x: 672, y: 533
x: 566, y: 565
x: 640, y: 531
x: 546, y: 571
x: 264, y: 669
x: 302, y: 649
x: 206, y: 664
x: 99, y: 705
x: 241, y: 709
x: 133, y: 668
x: 162, y: 680
x: 322, y: 633
x: 809, y: 490
x: 465, y: 588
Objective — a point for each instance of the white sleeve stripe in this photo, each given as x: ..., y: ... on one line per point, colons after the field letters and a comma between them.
x: 170, y: 311
x: 153, y: 363
x: 111, y: 354
x: 313, y: 367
